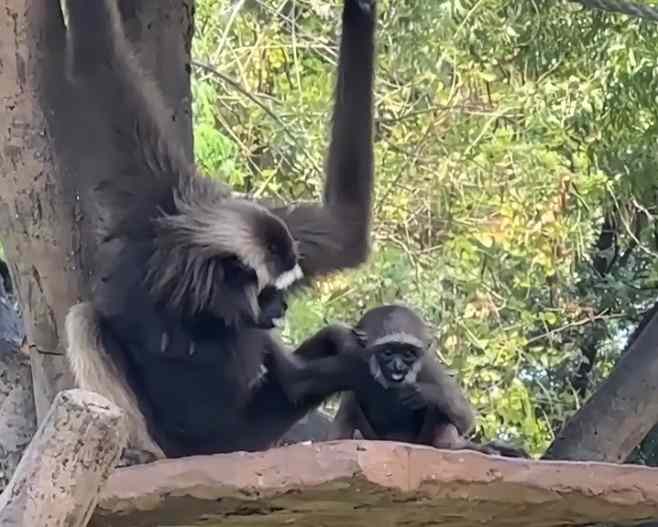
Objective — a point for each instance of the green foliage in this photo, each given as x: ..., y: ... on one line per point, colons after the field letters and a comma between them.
x: 511, y: 137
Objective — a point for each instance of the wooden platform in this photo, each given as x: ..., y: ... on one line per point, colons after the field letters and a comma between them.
x: 375, y: 484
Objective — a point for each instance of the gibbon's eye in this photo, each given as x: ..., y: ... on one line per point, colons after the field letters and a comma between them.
x: 387, y: 353
x: 409, y: 355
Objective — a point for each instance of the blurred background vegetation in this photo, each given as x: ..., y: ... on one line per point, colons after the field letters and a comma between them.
x: 516, y: 182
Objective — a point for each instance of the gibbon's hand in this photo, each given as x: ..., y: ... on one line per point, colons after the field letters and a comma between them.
x: 412, y: 397
x: 348, y: 341
x: 365, y: 6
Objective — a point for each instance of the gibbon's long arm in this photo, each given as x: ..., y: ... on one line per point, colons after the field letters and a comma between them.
x: 332, y: 360
x: 335, y: 235
x: 438, y: 390
x: 110, y: 83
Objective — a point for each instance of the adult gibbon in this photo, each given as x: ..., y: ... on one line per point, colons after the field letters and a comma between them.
x: 409, y: 396
x: 190, y: 279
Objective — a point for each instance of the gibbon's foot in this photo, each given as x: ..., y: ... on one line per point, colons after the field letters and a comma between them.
x: 503, y: 449
x: 135, y: 456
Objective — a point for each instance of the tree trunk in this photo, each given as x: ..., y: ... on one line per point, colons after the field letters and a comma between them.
x: 58, y: 481
x: 37, y: 213
x: 48, y: 224
x: 17, y: 412
x: 622, y: 411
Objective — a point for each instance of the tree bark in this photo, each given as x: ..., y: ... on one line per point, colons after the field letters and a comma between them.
x: 58, y: 481
x: 621, y: 412
x: 17, y: 412
x: 37, y: 214
x: 47, y: 220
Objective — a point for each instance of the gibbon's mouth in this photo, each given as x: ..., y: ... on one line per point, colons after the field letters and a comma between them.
x: 397, y: 377
x: 287, y: 278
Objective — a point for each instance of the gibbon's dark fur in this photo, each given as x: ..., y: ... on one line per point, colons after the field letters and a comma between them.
x: 190, y: 279
x: 409, y: 396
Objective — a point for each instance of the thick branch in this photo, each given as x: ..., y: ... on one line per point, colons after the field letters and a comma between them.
x: 621, y: 412
x: 58, y: 481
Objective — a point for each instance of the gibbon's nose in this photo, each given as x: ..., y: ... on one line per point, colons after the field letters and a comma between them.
x: 398, y: 365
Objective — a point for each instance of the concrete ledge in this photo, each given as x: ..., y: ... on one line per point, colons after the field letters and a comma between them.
x: 366, y: 483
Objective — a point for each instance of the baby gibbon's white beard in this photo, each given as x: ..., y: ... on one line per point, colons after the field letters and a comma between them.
x: 287, y: 278
x: 412, y: 375
x: 377, y: 372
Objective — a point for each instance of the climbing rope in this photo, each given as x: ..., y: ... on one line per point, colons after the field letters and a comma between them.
x: 622, y: 6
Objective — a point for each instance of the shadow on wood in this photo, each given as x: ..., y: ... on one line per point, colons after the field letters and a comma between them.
x: 360, y: 483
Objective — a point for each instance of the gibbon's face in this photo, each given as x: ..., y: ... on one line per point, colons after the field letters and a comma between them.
x: 398, y: 339
x: 273, y: 306
x: 398, y: 362
x: 270, y: 258
x: 281, y: 257
x: 218, y: 256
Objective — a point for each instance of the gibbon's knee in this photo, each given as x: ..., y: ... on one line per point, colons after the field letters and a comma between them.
x: 95, y: 370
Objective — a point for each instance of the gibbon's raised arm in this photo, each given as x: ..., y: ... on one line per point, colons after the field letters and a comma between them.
x: 335, y: 235
x: 111, y: 84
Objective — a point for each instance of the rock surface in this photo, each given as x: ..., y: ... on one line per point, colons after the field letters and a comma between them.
x: 368, y: 483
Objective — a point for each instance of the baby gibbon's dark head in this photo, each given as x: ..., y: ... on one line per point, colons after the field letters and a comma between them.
x: 399, y: 339
x: 216, y: 255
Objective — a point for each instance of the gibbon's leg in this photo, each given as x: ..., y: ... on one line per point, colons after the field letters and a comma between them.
x: 95, y: 370
x: 335, y: 235
x: 447, y: 437
x: 350, y: 419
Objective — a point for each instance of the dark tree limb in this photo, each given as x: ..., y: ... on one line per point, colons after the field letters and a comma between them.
x: 625, y: 7
x: 622, y: 411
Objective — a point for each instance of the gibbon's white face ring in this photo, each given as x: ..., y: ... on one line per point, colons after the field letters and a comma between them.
x: 287, y: 278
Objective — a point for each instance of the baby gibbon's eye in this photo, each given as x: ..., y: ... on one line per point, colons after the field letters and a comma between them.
x: 409, y: 354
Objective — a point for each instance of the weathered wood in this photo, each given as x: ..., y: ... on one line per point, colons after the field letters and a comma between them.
x: 365, y: 483
x: 70, y: 458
